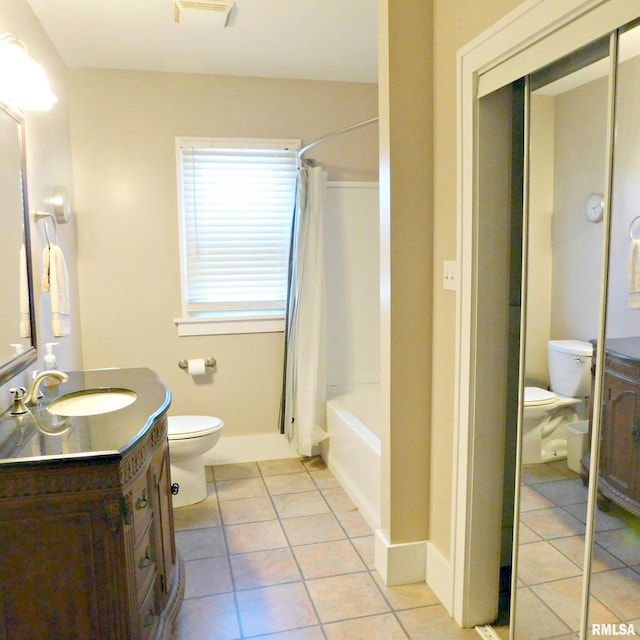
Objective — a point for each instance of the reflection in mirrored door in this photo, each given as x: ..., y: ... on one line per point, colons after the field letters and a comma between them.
x: 567, y: 177
x: 615, y: 558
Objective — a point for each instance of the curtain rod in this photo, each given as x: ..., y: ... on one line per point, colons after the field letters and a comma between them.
x: 328, y: 137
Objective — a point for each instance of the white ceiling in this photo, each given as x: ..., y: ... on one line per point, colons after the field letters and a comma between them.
x: 306, y: 39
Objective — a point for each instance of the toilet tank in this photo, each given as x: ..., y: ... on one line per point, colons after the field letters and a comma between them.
x: 570, y: 367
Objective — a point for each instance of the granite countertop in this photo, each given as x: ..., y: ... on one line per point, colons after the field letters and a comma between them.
x: 628, y: 348
x: 42, y: 436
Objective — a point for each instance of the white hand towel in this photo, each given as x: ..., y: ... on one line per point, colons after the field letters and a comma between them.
x: 55, y: 278
x: 633, y: 273
x: 25, y: 315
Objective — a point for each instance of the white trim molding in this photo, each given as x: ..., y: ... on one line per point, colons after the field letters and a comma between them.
x: 228, y: 324
x: 237, y: 449
x: 533, y: 35
x: 411, y: 562
x: 439, y: 576
x: 400, y: 563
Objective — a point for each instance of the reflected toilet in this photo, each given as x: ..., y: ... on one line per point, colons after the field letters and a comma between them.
x: 546, y: 413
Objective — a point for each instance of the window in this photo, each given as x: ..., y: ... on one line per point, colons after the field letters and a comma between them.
x: 236, y: 202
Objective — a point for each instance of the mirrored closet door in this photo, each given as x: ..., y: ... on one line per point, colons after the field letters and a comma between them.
x: 568, y: 110
x: 576, y: 256
x: 614, y: 579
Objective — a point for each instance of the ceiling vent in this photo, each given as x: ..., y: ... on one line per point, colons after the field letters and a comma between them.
x: 221, y: 9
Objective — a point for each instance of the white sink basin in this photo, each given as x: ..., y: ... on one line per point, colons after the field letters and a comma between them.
x: 91, y: 402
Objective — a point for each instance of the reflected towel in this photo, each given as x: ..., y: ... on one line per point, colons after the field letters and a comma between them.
x: 55, y: 279
x: 633, y: 273
x: 25, y: 316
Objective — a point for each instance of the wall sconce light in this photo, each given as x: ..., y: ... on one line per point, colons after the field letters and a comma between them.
x: 23, y: 82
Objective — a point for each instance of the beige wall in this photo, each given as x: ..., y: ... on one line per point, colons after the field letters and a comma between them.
x: 123, y: 127
x: 576, y: 242
x: 48, y: 164
x: 406, y: 279
x: 541, y: 183
x: 455, y: 23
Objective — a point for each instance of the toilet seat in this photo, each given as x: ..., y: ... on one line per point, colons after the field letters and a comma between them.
x: 185, y: 427
x: 536, y: 397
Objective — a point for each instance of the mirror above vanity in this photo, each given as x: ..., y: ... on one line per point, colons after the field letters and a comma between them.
x: 17, y: 319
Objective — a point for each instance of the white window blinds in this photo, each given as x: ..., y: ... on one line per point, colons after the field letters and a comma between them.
x: 237, y: 199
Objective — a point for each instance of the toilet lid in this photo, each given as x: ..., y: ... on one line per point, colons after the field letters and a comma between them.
x: 536, y: 396
x: 180, y: 427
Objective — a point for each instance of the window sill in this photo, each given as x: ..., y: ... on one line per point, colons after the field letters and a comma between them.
x: 229, y: 324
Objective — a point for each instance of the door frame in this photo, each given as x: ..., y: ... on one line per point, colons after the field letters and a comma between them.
x: 535, y: 34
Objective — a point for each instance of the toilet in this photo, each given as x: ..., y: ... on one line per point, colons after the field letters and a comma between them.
x: 189, y: 438
x: 546, y: 413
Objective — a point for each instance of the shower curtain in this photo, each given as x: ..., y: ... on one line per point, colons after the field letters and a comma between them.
x: 303, y: 411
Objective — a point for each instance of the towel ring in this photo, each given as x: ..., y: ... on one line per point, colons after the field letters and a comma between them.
x: 636, y: 219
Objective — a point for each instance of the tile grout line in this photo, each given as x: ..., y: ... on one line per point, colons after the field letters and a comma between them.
x: 228, y: 557
x: 289, y: 547
x: 369, y: 571
x: 551, y: 540
x: 364, y: 563
x: 293, y: 555
x: 555, y: 613
x: 345, y: 531
x: 347, y: 538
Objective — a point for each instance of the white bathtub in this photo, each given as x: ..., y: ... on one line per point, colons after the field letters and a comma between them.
x: 352, y: 450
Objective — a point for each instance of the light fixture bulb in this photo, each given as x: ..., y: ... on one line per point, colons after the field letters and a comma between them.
x: 23, y: 82
x: 34, y: 93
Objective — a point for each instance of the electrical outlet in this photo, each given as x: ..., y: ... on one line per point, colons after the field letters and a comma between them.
x: 450, y: 278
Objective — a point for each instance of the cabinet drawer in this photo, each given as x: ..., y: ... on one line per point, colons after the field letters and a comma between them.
x: 145, y: 565
x: 148, y: 616
x: 142, y: 505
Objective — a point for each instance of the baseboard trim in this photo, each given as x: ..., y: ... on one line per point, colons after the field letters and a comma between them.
x: 402, y: 563
x: 439, y: 576
x: 236, y: 449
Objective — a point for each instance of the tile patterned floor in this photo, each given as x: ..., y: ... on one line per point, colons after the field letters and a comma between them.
x: 278, y: 551
x: 553, y: 515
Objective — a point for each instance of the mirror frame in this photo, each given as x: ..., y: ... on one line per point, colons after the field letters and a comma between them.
x: 19, y: 362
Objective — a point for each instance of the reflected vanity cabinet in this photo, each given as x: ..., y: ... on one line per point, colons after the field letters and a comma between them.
x: 87, y: 546
x: 619, y: 469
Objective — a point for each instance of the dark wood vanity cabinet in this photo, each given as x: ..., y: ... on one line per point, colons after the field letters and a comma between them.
x: 87, y: 547
x: 619, y: 468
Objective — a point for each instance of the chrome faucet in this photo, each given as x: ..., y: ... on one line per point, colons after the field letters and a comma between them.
x: 31, y: 396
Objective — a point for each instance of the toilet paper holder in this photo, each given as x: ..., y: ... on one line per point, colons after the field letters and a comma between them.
x: 209, y: 362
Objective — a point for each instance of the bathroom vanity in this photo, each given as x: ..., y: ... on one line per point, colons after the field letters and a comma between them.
x: 619, y: 469
x: 87, y: 546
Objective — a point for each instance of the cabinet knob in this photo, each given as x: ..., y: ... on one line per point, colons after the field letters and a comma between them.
x: 175, y: 487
